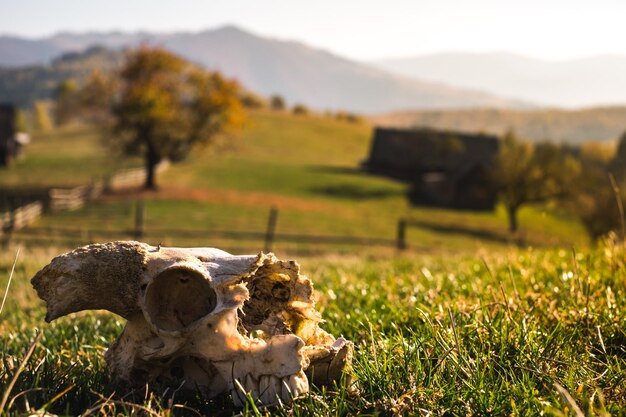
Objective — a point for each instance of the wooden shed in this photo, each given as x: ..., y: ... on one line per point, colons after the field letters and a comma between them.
x: 445, y: 168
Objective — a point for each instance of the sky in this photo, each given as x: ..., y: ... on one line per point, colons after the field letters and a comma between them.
x: 358, y: 29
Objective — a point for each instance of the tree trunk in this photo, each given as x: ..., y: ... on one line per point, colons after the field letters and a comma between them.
x: 512, y: 213
x: 152, y: 160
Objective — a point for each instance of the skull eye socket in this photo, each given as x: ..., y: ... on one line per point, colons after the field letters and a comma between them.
x: 177, y: 297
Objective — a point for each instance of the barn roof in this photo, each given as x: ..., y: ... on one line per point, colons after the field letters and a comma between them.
x: 409, y: 152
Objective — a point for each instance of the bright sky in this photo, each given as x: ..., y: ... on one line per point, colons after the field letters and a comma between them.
x: 361, y: 29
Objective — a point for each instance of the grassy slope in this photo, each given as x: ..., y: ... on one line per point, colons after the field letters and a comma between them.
x: 71, y: 155
x: 305, y: 166
x: 433, y: 336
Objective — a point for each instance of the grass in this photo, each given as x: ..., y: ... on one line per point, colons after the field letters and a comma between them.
x: 438, y: 231
x: 500, y: 334
x: 67, y: 156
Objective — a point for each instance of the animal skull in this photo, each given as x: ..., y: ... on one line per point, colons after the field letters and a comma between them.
x: 200, y: 318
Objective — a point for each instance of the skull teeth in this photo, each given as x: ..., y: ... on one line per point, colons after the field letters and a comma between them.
x: 270, y: 389
x: 297, y: 385
x: 252, y: 386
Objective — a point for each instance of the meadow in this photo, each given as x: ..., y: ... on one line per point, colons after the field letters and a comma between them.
x: 305, y: 166
x: 64, y: 157
x: 462, y: 323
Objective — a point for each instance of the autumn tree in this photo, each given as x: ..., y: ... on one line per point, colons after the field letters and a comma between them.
x: 528, y: 174
x: 277, y: 102
x: 41, y: 116
x: 618, y: 164
x: 65, y: 101
x: 95, y: 97
x: 251, y: 100
x: 21, y: 122
x: 300, y: 109
x: 167, y: 106
x: 600, y: 190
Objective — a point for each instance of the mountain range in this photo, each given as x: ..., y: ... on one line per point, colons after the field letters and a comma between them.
x: 592, y: 81
x: 300, y: 73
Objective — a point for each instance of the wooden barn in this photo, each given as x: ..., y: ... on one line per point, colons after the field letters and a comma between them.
x: 445, y: 168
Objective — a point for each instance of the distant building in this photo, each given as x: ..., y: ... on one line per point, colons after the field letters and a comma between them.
x: 449, y: 169
x: 11, y: 142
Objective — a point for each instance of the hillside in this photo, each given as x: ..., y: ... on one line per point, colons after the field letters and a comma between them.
x: 25, y: 85
x: 571, y: 126
x: 269, y: 66
x: 585, y: 82
x: 305, y: 166
x: 68, y: 156
x: 19, y: 52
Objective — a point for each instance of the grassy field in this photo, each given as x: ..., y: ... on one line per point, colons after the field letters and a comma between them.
x: 307, y: 167
x: 506, y: 334
x: 67, y: 156
x: 463, y: 324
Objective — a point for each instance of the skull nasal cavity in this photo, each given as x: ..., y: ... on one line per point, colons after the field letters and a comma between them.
x: 177, y: 297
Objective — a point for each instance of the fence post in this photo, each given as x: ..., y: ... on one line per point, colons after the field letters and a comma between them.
x: 7, y: 229
x: 140, y: 214
x: 106, y: 183
x: 271, y: 229
x: 401, y: 235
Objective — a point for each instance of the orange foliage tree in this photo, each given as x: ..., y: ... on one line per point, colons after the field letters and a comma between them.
x: 166, y: 106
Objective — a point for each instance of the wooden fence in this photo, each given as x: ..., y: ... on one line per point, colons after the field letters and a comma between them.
x: 67, y: 198
x: 21, y: 216
x: 63, y: 199
x: 74, y: 198
x: 132, y: 177
x: 269, y: 237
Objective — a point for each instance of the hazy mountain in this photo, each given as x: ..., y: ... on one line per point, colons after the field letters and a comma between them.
x: 597, y: 80
x: 23, y: 86
x: 18, y: 52
x: 268, y: 66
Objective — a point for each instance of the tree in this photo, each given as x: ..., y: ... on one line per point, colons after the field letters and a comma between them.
x: 41, y: 116
x: 277, y: 102
x: 618, y: 164
x: 21, y: 123
x: 347, y: 116
x: 527, y: 174
x: 300, y: 109
x: 166, y: 106
x: 95, y: 97
x: 65, y: 101
x: 251, y: 100
x: 599, y: 198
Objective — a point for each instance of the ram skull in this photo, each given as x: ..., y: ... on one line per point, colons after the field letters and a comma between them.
x: 201, y: 319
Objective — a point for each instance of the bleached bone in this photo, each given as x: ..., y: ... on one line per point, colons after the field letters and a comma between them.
x: 200, y: 318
